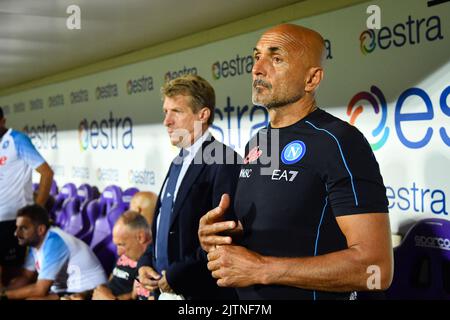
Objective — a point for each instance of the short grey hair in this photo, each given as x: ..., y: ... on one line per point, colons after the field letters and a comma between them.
x: 134, y: 220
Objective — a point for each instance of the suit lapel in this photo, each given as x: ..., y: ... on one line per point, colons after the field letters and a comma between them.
x: 188, y: 180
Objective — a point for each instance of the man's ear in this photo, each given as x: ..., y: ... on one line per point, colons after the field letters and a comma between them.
x: 141, y: 236
x: 314, y: 77
x: 204, y: 114
x: 41, y: 229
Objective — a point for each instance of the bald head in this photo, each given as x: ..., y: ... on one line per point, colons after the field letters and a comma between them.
x: 308, y: 43
x: 144, y: 202
x: 287, y: 68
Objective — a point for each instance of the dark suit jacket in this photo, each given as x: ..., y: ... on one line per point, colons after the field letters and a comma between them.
x: 199, y: 192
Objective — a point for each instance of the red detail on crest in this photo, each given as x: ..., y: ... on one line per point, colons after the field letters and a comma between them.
x: 3, y: 160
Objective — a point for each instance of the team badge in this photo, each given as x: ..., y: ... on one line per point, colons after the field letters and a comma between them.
x: 293, y: 152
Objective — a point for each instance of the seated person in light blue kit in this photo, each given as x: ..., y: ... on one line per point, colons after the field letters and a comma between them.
x: 57, y: 263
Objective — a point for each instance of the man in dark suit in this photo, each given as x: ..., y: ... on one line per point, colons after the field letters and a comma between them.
x: 176, y: 266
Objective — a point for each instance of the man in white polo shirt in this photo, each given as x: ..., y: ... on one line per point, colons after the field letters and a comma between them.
x: 18, y: 158
x: 62, y: 263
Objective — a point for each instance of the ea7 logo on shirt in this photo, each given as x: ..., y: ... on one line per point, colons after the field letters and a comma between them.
x: 5, y: 144
x: 293, y: 152
x: 245, y: 173
x: 286, y: 175
x: 3, y: 160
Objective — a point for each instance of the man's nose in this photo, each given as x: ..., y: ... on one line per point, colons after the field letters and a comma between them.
x: 167, y: 120
x: 260, y: 67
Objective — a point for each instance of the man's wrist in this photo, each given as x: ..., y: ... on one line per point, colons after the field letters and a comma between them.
x: 264, y: 271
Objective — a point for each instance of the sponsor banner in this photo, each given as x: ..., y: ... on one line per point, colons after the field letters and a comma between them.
x: 391, y: 83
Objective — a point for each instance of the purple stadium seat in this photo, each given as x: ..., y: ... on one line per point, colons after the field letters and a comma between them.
x: 35, y: 187
x: 422, y: 262
x: 108, y: 208
x: 82, y: 223
x: 75, y: 223
x: 58, y: 214
x: 127, y: 195
x: 54, y: 189
x: 95, y: 192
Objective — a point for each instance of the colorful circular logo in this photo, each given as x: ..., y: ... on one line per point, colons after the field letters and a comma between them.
x: 83, y: 135
x: 369, y: 37
x: 130, y: 87
x: 381, y: 107
x: 215, y: 69
x: 293, y: 152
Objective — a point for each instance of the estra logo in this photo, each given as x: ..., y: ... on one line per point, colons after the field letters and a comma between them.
x: 142, y: 84
x: 107, y: 174
x: 232, y: 67
x: 107, y: 91
x: 79, y: 96
x: 143, y: 177
x: 170, y: 75
x: 43, y: 135
x: 377, y: 101
x: 109, y: 133
x: 424, y: 119
x: 411, y: 32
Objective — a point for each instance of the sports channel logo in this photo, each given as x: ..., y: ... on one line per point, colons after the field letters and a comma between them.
x: 376, y: 99
x: 411, y: 32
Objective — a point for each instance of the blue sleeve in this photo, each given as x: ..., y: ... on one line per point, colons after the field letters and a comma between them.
x: 55, y: 257
x: 26, y: 150
x: 29, y: 261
